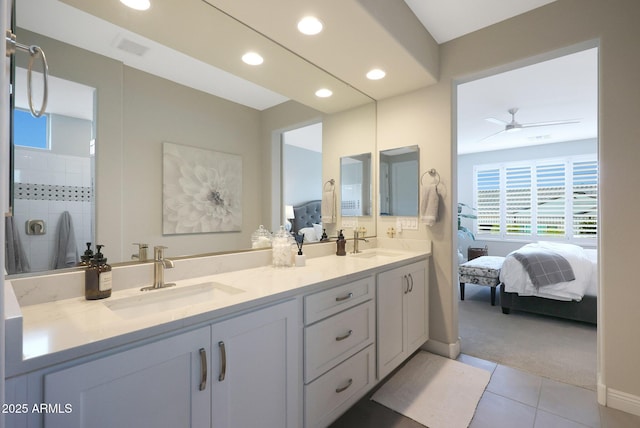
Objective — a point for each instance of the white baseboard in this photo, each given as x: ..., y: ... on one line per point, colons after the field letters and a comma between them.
x: 449, y: 350
x: 623, y: 401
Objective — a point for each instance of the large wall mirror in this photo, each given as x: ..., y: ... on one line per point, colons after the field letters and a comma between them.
x: 138, y: 108
x: 399, y: 169
x: 355, y: 185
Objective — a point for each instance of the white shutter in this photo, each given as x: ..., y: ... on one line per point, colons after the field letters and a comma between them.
x: 518, y: 201
x: 487, y: 201
x: 551, y: 199
x: 585, y: 199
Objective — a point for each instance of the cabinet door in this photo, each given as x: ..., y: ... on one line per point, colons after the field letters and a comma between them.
x: 154, y: 385
x: 391, y: 288
x: 256, y: 369
x: 403, y: 319
x: 417, y: 304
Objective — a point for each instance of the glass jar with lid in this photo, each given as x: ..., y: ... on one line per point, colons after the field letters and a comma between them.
x: 282, y: 248
x: 261, y: 238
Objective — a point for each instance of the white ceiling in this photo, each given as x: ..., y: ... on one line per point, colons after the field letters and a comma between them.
x: 563, y: 88
x: 550, y: 91
x: 447, y: 19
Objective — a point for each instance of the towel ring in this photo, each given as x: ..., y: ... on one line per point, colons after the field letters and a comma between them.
x: 330, y: 182
x: 432, y: 172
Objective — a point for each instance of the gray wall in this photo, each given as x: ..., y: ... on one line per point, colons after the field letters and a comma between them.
x: 301, y: 175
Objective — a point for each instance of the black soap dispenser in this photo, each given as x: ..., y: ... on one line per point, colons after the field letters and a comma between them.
x: 340, y: 243
x: 85, y: 259
x: 98, y: 277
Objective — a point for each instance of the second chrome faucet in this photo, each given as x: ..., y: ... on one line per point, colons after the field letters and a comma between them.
x: 159, y: 265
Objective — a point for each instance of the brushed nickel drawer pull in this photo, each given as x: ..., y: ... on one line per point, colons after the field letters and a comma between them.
x: 411, y: 278
x: 343, y: 388
x: 343, y: 298
x: 203, y: 369
x: 339, y: 338
x: 223, y: 362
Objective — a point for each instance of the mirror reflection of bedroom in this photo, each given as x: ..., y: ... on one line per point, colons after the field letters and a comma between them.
x: 527, y: 170
x: 302, y: 180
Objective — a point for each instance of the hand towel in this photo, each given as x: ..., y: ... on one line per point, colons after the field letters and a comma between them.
x: 329, y: 206
x: 65, y: 251
x: 429, y: 204
x: 16, y: 259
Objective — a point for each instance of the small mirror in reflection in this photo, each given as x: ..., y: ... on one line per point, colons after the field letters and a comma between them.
x: 399, y: 169
x: 355, y: 185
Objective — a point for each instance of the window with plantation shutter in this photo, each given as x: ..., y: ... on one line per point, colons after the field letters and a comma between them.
x: 542, y: 199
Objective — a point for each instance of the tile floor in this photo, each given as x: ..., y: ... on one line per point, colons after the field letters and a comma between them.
x: 513, y: 399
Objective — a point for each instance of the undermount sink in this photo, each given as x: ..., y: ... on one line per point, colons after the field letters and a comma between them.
x: 154, y: 301
x: 367, y: 254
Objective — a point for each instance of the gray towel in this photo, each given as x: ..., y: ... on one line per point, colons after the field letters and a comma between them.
x: 16, y: 259
x: 429, y: 204
x: 66, y: 252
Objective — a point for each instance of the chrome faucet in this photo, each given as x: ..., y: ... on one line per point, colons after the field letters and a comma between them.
x: 142, y: 252
x: 159, y: 265
x: 356, y: 239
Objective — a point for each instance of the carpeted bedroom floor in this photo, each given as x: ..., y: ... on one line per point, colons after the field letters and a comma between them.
x: 557, y: 349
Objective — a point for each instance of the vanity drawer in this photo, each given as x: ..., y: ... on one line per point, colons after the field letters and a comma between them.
x: 333, y: 340
x: 330, y: 395
x: 328, y: 302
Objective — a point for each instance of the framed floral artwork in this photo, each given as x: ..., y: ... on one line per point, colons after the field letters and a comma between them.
x: 201, y: 190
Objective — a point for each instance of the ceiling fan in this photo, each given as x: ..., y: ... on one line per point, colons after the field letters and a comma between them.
x: 517, y: 126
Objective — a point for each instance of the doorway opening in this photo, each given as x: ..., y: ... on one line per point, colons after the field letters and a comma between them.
x: 527, y: 159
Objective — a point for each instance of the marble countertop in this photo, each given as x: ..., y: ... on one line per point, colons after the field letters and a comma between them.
x: 61, y: 330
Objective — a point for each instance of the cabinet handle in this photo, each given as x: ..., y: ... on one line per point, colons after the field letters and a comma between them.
x: 203, y: 369
x: 343, y: 388
x: 343, y: 298
x: 411, y: 278
x: 339, y: 338
x: 406, y: 278
x: 223, y: 361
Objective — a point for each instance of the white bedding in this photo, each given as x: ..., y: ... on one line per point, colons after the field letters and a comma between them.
x: 582, y: 261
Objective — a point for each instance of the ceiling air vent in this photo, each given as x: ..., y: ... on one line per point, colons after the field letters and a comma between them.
x: 131, y: 47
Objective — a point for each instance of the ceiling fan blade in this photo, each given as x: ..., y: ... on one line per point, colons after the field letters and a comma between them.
x: 551, y: 123
x: 496, y: 121
x: 492, y: 135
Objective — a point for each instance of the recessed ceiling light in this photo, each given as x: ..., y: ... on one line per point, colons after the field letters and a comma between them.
x: 310, y: 25
x: 137, y: 4
x: 376, y: 74
x: 323, y: 93
x: 252, y: 58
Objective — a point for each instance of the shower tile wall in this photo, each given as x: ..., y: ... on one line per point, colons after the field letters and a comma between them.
x: 48, y: 184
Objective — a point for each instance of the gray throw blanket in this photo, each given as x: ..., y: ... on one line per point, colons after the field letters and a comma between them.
x: 545, y: 267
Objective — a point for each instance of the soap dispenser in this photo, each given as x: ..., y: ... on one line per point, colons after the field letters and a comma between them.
x: 98, y: 277
x: 340, y: 243
x: 85, y: 259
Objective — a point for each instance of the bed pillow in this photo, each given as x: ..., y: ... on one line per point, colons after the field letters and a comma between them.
x: 309, y: 234
x: 317, y: 227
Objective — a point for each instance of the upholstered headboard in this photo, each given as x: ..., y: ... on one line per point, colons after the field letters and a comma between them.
x: 306, y: 215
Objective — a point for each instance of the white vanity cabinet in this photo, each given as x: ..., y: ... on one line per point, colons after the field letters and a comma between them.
x: 339, y: 358
x: 402, y: 314
x: 255, y: 369
x: 240, y: 372
x: 155, y: 385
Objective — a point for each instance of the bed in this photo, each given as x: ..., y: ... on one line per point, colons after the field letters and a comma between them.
x: 308, y: 220
x: 558, y: 296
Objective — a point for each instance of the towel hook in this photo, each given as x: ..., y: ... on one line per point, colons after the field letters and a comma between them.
x: 433, y: 173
